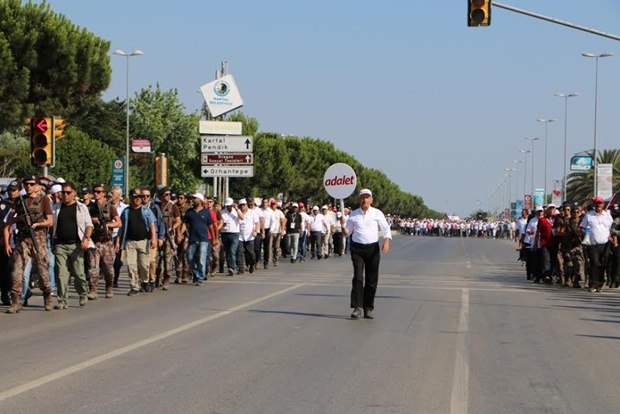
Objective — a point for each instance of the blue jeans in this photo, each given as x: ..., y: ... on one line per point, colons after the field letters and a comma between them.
x: 197, y: 256
x: 231, y: 245
x: 303, y: 240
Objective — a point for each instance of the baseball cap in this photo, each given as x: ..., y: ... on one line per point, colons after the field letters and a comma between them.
x: 365, y: 191
x: 198, y: 196
x: 136, y: 192
x: 538, y: 208
x: 56, y: 188
x: 228, y: 202
x: 551, y: 205
x: 14, y: 185
x: 274, y: 202
x: 243, y: 201
x: 86, y: 190
x: 100, y: 185
x: 301, y: 205
x: 315, y: 208
x: 294, y: 205
x: 324, y: 207
x: 598, y: 199
x: 163, y: 190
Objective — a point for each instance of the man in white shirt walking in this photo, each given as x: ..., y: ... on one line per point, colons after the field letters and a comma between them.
x: 363, y: 225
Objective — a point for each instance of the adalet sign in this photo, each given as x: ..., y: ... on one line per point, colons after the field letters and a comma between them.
x: 340, y: 180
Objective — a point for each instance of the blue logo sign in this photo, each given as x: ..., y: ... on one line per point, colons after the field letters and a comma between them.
x: 221, y: 88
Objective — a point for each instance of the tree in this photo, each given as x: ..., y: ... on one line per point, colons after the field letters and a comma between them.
x: 83, y: 160
x: 47, y: 64
x: 160, y: 117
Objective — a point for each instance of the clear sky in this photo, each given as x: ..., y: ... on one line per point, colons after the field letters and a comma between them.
x: 404, y: 86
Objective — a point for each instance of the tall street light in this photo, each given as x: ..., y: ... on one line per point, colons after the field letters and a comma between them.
x: 532, y: 150
x: 565, y: 96
x: 525, y: 152
x: 546, y: 121
x: 594, y: 156
x: 120, y: 52
x: 517, y: 162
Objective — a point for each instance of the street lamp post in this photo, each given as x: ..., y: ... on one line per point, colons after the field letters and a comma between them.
x: 546, y: 121
x: 565, y: 96
x: 594, y: 155
x: 532, y: 151
x: 120, y: 52
x: 524, y: 152
x: 517, y: 162
x: 509, y: 179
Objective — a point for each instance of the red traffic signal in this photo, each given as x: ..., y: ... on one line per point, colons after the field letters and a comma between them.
x: 41, y: 142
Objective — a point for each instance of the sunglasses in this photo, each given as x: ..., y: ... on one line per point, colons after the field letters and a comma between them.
x: 145, y: 196
x: 28, y: 184
x: 67, y: 192
x: 166, y: 194
x: 99, y: 191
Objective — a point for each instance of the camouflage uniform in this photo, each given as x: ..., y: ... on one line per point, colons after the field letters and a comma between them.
x: 101, y: 258
x: 165, y: 263
x: 182, y: 267
x: 25, y: 250
x: 574, y: 261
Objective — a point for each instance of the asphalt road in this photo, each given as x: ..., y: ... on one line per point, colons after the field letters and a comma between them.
x: 457, y: 330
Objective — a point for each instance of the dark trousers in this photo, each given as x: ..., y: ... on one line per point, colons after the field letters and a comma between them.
x: 338, y: 243
x: 245, y: 255
x: 316, y: 241
x: 5, y: 277
x: 258, y: 243
x: 596, y: 254
x: 365, y: 257
x: 267, y: 248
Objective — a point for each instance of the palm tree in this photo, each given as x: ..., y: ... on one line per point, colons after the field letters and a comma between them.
x: 580, y: 185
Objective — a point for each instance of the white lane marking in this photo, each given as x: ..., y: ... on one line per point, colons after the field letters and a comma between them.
x: 459, y: 399
x: 113, y: 354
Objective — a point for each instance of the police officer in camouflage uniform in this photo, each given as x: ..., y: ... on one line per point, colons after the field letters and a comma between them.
x: 38, y: 212
x: 12, y: 191
x: 105, y: 218
x: 172, y: 221
x: 574, y: 260
x: 182, y: 241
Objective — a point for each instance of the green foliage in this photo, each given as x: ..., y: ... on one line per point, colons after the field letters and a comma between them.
x: 83, y: 160
x: 295, y: 167
x: 47, y: 64
x: 160, y: 117
x: 14, y: 158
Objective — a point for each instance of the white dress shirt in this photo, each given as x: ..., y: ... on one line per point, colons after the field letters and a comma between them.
x: 318, y: 222
x: 231, y: 221
x: 599, y: 225
x: 269, y: 216
x: 364, y: 227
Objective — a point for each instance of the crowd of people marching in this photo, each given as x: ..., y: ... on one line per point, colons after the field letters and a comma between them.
x: 55, y: 234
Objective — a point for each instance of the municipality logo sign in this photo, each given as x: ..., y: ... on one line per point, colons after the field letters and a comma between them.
x: 221, y: 88
x: 221, y: 95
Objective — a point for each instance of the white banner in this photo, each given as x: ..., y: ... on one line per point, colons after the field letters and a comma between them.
x: 556, y: 194
x: 604, y: 180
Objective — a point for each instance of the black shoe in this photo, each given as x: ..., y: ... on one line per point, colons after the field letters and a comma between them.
x: 152, y: 287
x: 144, y: 287
x: 357, y: 313
x: 368, y: 314
x: 132, y: 292
x: 115, y: 285
x: 251, y: 269
x: 28, y: 296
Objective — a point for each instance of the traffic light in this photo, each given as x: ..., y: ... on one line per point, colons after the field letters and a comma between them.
x: 41, y: 142
x: 478, y: 13
x: 59, y: 125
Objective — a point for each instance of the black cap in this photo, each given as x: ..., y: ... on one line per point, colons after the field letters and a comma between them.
x: 161, y: 190
x: 86, y: 190
x: 97, y: 185
x: 14, y: 185
x: 135, y: 192
x: 31, y: 178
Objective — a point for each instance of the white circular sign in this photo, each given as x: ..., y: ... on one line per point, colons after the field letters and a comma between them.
x: 340, y: 180
x: 118, y: 164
